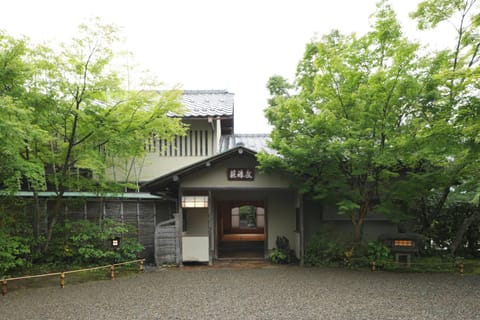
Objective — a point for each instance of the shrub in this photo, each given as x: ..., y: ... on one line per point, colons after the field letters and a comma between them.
x: 327, y: 247
x: 380, y: 253
x: 87, y: 243
x: 15, y: 239
x: 13, y: 253
x: 282, y: 254
x: 278, y: 256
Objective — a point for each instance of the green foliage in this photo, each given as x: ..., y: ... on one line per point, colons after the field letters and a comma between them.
x: 15, y: 237
x: 372, y: 124
x: 68, y: 115
x: 278, y: 256
x: 328, y: 247
x: 14, y: 252
x: 88, y: 243
x: 342, y: 136
x: 380, y: 253
x: 282, y: 254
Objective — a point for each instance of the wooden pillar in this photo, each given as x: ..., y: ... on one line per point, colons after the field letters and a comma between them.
x: 178, y: 249
x: 211, y: 233
x: 266, y: 230
x: 154, y: 204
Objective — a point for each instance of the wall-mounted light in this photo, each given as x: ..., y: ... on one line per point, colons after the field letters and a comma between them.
x: 115, y: 242
x: 195, y: 202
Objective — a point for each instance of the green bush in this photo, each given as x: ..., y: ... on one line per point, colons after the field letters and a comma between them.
x: 282, y: 254
x: 327, y: 247
x: 15, y: 240
x: 380, y: 253
x: 278, y: 256
x: 13, y: 253
x: 88, y: 243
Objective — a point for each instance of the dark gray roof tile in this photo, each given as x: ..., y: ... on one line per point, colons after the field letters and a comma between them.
x: 207, y: 103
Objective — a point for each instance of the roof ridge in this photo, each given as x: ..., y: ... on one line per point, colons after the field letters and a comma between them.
x: 212, y: 91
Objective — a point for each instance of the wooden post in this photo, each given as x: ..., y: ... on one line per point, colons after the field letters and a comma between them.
x: 374, y: 266
x: 140, y: 266
x: 462, y: 268
x: 62, y: 280
x: 4, y: 287
x: 179, y: 226
x: 112, y: 272
x: 211, y: 237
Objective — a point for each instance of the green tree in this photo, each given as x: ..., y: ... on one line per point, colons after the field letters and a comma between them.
x: 16, y: 116
x: 342, y: 134
x: 17, y: 131
x: 451, y: 117
x: 93, y: 116
x: 65, y: 114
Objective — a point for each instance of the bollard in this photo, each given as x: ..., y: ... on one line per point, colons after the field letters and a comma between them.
x: 462, y: 268
x: 140, y: 266
x: 4, y: 287
x: 62, y: 280
x: 112, y: 272
x: 374, y: 266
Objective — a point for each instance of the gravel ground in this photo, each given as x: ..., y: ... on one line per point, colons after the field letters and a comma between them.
x: 253, y: 292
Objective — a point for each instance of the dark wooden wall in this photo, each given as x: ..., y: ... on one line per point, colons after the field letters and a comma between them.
x: 143, y: 214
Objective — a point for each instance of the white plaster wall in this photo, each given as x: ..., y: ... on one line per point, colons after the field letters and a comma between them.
x: 154, y: 165
x: 281, y: 217
x: 216, y: 176
x: 195, y: 248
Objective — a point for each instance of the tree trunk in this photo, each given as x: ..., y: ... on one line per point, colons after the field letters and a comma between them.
x: 467, y: 222
x: 358, y: 223
x: 53, y: 221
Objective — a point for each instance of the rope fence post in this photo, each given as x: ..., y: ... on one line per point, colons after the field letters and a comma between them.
x: 462, y: 268
x: 140, y: 266
x: 62, y: 280
x: 4, y: 287
x: 374, y: 266
x: 112, y: 272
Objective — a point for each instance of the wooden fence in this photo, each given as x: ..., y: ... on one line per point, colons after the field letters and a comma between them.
x: 167, y: 245
x: 144, y: 214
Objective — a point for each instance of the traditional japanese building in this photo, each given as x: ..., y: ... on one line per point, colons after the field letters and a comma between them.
x: 224, y: 206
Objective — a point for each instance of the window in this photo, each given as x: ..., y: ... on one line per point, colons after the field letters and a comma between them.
x: 195, y: 202
x: 248, y: 217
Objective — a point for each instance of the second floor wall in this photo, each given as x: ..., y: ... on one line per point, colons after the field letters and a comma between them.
x: 162, y: 156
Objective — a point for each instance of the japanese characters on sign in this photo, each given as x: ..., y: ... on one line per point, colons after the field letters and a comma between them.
x: 241, y: 174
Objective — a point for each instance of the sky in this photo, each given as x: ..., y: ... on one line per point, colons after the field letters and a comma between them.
x: 208, y: 44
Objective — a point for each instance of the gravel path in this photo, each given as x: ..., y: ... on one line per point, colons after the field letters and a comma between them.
x: 262, y: 292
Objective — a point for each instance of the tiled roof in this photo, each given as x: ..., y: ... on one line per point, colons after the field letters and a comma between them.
x: 207, y: 103
x: 255, y: 142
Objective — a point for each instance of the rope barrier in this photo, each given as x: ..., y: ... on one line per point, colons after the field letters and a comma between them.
x: 64, y: 273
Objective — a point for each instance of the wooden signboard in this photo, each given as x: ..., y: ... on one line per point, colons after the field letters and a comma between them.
x: 241, y: 174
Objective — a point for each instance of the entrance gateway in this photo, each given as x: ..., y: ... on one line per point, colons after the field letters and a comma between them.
x: 224, y: 218
x: 241, y: 229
